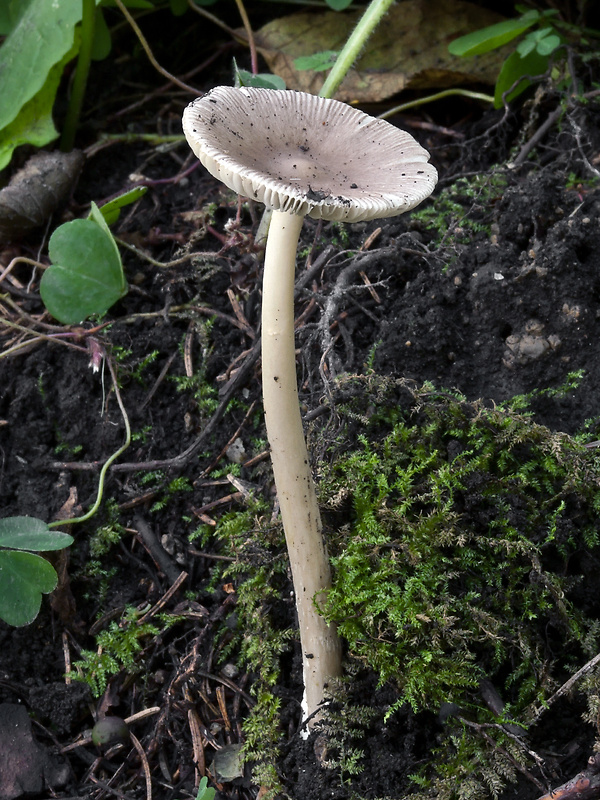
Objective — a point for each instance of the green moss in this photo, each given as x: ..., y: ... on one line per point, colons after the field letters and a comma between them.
x: 109, y: 534
x: 458, y: 534
x: 255, y: 634
x: 118, y: 647
x: 459, y: 538
x: 138, y: 369
x: 344, y: 727
x: 461, y: 210
x: 174, y: 487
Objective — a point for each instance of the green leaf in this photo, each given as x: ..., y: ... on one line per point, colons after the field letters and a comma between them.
x: 263, y: 80
x: 10, y: 12
x: 23, y: 579
x: 318, y: 62
x: 30, y: 533
x: 111, y: 210
x: 98, y: 217
x: 34, y: 124
x: 102, y: 40
x: 544, y: 40
x: 204, y: 793
x: 526, y: 46
x: 514, y: 68
x: 42, y: 37
x: 490, y: 38
x: 547, y: 46
x: 86, y: 276
x: 178, y: 7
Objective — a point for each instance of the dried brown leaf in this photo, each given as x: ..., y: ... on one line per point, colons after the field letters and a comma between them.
x: 409, y: 50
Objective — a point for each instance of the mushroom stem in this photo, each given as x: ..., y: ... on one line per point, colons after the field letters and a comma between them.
x: 311, y: 573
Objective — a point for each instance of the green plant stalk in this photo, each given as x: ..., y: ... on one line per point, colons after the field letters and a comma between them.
x: 420, y: 101
x: 82, y: 71
x: 108, y: 462
x: 351, y: 50
x: 311, y: 572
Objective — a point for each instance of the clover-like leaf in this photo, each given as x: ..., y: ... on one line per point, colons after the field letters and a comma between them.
x: 86, y: 276
x: 30, y: 533
x: 23, y: 579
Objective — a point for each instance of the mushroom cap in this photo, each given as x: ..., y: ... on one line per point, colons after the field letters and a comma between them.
x: 307, y: 155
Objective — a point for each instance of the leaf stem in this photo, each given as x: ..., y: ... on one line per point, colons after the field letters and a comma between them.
x: 81, y: 75
x: 486, y: 98
x: 249, y: 34
x: 357, y: 40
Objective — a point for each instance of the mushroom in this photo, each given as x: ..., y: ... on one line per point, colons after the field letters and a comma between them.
x: 302, y: 155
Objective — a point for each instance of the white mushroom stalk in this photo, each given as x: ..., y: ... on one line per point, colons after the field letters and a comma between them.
x: 311, y: 575
x: 302, y: 155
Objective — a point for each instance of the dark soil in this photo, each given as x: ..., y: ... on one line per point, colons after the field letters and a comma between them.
x: 500, y: 299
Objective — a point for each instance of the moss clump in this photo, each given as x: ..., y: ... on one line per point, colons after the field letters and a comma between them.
x: 461, y: 210
x: 464, y: 541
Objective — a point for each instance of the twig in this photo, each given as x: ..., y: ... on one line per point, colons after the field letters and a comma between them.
x: 166, y: 87
x: 250, y: 702
x: 239, y: 314
x: 250, y: 35
x: 164, y: 599
x: 67, y: 657
x: 207, y: 14
x: 213, y: 556
x: 195, y: 730
x: 139, y: 715
x: 230, y: 498
x: 19, y: 260
x: 156, y: 550
x: 105, y: 786
x: 536, y: 138
x: 220, y: 692
x: 159, y: 380
x: 145, y: 766
x: 150, y: 54
x: 584, y: 786
x: 330, y: 311
x: 568, y: 685
x: 232, y: 439
x: 162, y: 264
x: 495, y: 746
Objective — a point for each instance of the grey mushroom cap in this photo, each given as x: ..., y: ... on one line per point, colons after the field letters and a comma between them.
x: 307, y: 155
